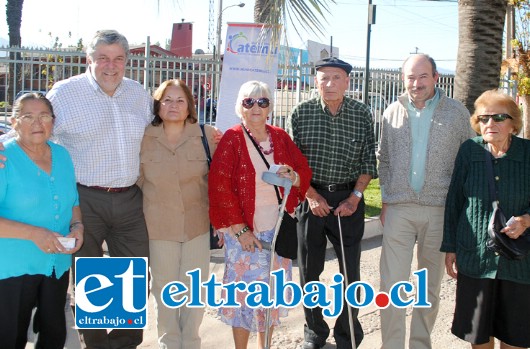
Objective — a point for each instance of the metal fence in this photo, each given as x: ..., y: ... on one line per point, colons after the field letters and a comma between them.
x: 23, y: 70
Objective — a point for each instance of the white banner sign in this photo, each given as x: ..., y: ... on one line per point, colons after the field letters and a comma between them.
x: 248, y: 56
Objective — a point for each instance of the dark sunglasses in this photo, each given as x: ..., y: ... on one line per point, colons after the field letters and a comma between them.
x: 248, y: 103
x: 496, y: 118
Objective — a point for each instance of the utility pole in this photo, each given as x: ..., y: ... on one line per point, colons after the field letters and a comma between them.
x: 371, y: 20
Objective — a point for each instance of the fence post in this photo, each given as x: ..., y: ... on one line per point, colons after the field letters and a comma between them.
x: 147, y: 64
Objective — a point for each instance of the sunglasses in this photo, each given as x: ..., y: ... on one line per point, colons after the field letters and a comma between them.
x: 484, y: 119
x: 248, y: 103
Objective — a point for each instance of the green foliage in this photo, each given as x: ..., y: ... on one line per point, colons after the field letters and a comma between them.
x: 524, y: 85
x: 372, y: 199
x: 282, y: 13
x: 521, y: 45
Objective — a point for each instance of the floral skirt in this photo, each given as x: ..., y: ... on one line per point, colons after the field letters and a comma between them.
x: 247, y: 267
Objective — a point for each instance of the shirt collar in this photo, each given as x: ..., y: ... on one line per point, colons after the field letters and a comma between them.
x: 428, y: 103
x: 326, y: 109
x: 92, y: 81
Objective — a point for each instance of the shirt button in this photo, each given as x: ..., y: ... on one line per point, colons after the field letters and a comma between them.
x: 52, y: 179
x: 56, y: 216
x: 497, y: 178
x: 56, y: 197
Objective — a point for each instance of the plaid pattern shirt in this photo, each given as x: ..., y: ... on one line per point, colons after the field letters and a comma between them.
x: 102, y: 133
x: 339, y: 148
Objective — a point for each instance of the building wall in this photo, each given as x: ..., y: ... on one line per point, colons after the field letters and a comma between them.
x: 181, y: 39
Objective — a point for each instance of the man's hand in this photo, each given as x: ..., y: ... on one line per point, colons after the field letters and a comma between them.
x: 318, y: 205
x: 383, y: 214
x: 217, y: 135
x: 348, y: 207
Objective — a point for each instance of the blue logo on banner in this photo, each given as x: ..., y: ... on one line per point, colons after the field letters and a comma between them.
x: 111, y: 293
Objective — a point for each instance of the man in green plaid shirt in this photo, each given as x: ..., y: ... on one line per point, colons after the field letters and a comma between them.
x: 336, y: 134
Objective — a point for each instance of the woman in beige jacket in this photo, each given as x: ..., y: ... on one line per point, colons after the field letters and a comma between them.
x: 174, y: 181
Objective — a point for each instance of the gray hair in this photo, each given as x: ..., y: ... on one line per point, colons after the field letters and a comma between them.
x: 254, y: 89
x: 107, y: 37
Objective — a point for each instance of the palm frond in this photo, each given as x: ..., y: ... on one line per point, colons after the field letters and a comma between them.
x: 304, y: 16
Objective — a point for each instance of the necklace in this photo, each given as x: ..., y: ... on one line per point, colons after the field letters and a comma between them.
x: 271, y: 145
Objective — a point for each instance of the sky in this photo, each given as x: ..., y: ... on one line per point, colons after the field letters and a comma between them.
x: 402, y: 26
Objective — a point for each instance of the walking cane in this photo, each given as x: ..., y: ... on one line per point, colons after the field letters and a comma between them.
x: 350, y: 320
x: 274, y: 179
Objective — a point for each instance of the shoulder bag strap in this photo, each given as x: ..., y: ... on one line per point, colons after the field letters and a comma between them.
x: 264, y: 160
x: 206, y: 146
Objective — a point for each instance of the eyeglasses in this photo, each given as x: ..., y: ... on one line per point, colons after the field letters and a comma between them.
x: 484, y: 119
x: 248, y: 103
x: 29, y: 119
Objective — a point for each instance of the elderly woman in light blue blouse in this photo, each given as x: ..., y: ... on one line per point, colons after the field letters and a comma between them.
x: 40, y: 227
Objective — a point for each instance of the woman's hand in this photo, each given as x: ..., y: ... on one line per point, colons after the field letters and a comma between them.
x: 247, y: 240
x: 450, y: 264
x: 47, y: 240
x: 287, y: 171
x: 221, y: 237
x: 518, y: 227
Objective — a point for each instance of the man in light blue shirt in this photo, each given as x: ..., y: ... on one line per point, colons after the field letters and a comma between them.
x: 420, y: 121
x: 421, y: 134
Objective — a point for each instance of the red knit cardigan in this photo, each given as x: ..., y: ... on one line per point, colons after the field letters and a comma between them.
x: 232, y: 178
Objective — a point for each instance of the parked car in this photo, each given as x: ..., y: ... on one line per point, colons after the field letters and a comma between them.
x: 4, y: 128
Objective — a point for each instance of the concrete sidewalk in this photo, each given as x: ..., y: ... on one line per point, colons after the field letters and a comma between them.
x: 216, y: 334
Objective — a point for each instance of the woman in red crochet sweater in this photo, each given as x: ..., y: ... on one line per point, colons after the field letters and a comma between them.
x: 245, y: 209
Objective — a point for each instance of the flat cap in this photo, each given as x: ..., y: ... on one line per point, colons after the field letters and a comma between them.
x: 334, y: 62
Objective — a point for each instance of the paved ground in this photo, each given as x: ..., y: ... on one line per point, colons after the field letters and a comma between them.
x: 217, y: 335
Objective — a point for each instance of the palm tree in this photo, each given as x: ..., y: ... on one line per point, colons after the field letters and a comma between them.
x: 481, y: 26
x: 277, y: 13
x: 14, y: 21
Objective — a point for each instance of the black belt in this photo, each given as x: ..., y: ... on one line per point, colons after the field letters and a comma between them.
x: 107, y: 189
x: 334, y: 187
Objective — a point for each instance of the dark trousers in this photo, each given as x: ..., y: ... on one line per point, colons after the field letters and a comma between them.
x: 18, y: 296
x: 118, y: 219
x: 313, y: 233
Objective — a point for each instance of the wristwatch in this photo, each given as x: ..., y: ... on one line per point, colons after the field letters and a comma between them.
x: 357, y: 193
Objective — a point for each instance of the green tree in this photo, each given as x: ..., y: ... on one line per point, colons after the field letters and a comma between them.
x: 481, y: 28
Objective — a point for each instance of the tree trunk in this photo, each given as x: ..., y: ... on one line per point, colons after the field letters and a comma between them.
x: 525, y: 101
x: 481, y: 28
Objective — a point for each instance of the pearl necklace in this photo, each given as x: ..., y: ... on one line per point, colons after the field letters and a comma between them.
x: 266, y: 152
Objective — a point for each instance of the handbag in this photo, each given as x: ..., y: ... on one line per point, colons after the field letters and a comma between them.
x: 500, y: 243
x: 214, y: 239
x: 287, y: 239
